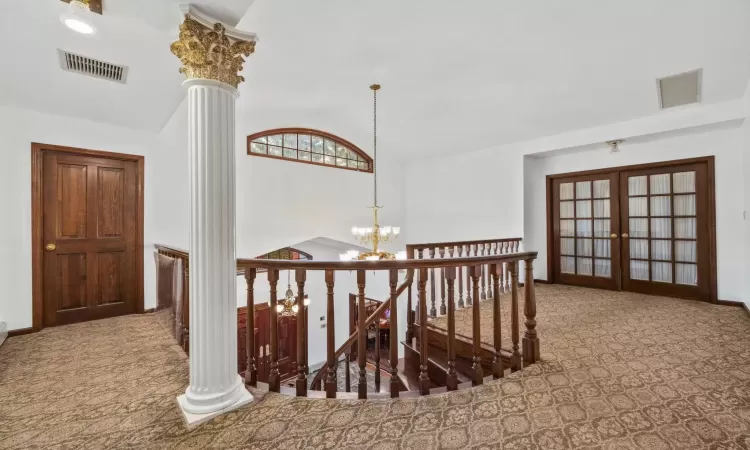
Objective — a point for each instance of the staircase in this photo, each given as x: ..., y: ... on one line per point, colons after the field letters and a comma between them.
x: 435, y: 359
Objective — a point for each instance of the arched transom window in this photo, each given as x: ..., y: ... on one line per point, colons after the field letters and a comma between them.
x: 310, y: 147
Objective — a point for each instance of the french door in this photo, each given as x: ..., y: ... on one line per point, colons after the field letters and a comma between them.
x: 586, y: 230
x: 646, y: 229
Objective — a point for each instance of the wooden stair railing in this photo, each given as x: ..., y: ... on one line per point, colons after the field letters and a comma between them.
x: 436, y: 358
x: 346, y: 346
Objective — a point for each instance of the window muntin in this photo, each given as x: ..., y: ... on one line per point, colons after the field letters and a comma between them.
x: 309, y: 146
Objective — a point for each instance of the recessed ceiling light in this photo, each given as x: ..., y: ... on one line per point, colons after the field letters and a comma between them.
x: 76, y: 18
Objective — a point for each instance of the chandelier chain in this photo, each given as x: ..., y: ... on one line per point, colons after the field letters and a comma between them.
x: 375, y: 144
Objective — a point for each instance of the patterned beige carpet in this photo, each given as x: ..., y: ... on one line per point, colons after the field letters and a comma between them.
x: 619, y: 371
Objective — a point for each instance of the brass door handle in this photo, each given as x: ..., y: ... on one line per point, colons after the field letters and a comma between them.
x: 625, y: 235
x: 613, y: 236
x: 50, y: 247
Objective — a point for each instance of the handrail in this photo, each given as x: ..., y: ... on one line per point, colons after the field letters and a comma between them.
x: 383, y: 264
x: 176, y: 251
x: 370, y: 319
x: 484, y: 263
x: 458, y: 243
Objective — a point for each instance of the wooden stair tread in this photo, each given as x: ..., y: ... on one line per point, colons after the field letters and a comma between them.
x: 410, y: 377
x: 439, y: 359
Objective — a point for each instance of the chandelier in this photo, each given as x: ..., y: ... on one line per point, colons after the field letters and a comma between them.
x: 374, y: 235
x: 288, y: 306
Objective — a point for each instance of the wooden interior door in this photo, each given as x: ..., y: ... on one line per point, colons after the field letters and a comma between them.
x: 287, y: 344
x: 89, y: 236
x: 665, y: 223
x: 585, y: 226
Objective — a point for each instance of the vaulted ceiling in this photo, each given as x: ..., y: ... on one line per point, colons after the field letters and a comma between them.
x: 460, y: 76
x: 456, y: 76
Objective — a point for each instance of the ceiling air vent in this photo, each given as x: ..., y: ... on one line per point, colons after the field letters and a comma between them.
x: 681, y: 89
x: 92, y: 67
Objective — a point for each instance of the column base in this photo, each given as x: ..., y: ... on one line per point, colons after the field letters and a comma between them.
x: 192, y: 420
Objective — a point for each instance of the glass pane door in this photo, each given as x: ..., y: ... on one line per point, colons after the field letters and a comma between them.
x: 661, y: 231
x: 585, y: 215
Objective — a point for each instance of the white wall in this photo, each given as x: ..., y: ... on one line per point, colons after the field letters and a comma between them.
x: 499, y: 192
x: 278, y: 202
x: 725, y: 143
x: 473, y: 195
x: 746, y: 173
x: 19, y: 128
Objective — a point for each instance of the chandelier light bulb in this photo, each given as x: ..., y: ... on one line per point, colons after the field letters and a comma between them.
x: 279, y: 308
x: 295, y: 308
x: 306, y: 302
x: 396, y: 230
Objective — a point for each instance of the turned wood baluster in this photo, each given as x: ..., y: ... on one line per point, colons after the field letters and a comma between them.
x: 469, y: 301
x: 362, y: 336
x: 251, y: 372
x: 530, y: 339
x: 515, y: 359
x: 424, y: 379
x: 442, y: 291
x: 300, y: 276
x: 461, y: 279
x: 506, y: 270
x: 433, y: 311
x: 353, y: 323
x: 483, y: 271
x: 442, y: 284
x: 305, y: 317
x: 476, y: 367
x: 331, y: 338
x: 482, y: 276
x: 348, y: 374
x: 497, y: 362
x: 452, y: 378
x: 409, y: 316
x: 377, y: 354
x: 274, y: 380
x: 393, y: 334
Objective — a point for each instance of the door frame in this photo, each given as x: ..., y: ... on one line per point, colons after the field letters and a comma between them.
x: 37, y: 242
x: 711, y: 184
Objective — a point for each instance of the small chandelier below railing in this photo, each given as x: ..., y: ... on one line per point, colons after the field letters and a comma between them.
x: 288, y: 306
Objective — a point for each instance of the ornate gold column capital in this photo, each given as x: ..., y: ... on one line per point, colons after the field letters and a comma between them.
x: 211, y: 50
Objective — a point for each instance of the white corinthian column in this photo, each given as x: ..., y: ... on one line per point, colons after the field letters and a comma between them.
x: 215, y: 386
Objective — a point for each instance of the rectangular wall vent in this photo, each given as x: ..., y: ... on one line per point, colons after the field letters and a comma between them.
x: 92, y: 67
x: 681, y: 89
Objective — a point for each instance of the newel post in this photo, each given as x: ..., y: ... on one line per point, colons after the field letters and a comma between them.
x: 530, y: 340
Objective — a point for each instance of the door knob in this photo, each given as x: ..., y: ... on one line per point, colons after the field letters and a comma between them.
x: 50, y: 247
x: 613, y: 235
x: 624, y: 235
